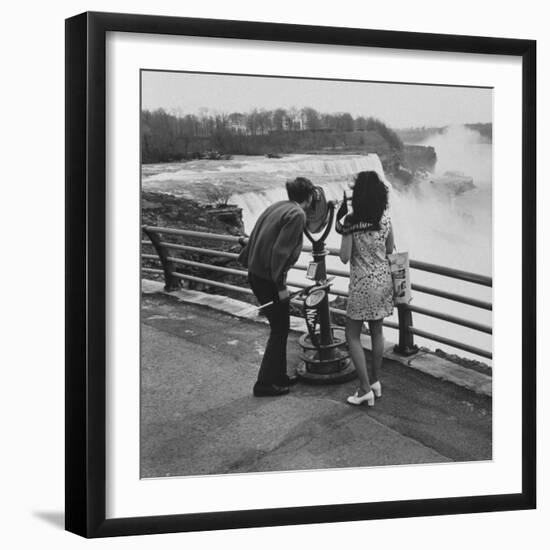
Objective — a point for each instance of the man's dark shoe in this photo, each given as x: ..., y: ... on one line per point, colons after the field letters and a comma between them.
x: 270, y: 391
x: 291, y: 380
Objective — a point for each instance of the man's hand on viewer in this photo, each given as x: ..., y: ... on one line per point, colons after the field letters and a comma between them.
x: 284, y: 294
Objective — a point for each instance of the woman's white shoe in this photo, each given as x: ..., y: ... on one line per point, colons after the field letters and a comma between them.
x: 377, y: 389
x: 367, y: 398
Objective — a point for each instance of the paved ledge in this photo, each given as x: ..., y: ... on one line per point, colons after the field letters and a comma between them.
x: 423, y: 361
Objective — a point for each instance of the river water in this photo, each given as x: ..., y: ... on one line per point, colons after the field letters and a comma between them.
x: 431, y: 221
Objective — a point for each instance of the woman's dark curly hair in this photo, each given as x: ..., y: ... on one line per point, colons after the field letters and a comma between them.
x: 369, y: 199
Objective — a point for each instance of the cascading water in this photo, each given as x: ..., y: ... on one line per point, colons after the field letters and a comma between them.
x: 431, y: 221
x: 332, y: 173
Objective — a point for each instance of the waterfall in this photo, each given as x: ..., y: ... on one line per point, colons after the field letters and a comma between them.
x: 332, y: 173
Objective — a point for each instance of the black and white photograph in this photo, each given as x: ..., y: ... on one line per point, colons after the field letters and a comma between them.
x: 274, y: 275
x: 316, y: 274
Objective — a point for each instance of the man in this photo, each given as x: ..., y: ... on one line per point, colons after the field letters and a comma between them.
x: 272, y: 249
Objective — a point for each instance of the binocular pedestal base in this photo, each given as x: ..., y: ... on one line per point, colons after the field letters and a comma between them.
x: 325, y: 364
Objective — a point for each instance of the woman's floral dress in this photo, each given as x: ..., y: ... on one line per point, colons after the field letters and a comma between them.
x: 371, y: 287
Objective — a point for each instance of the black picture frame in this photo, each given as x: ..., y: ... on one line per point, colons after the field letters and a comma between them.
x: 86, y: 263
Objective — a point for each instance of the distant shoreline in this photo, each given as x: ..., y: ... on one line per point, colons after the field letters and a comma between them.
x: 414, y: 136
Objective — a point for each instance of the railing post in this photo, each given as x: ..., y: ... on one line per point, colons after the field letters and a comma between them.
x: 171, y: 283
x: 406, y: 344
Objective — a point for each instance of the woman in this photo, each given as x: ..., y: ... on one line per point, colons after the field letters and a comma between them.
x: 367, y: 239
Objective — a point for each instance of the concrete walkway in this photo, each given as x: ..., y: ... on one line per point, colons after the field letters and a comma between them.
x: 199, y: 416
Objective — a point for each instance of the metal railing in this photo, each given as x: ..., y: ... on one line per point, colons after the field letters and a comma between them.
x: 407, y: 331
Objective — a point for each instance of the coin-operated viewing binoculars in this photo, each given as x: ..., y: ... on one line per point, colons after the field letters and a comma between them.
x: 325, y: 356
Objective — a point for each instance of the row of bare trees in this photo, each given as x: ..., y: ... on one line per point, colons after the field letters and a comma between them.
x: 257, y: 121
x: 166, y: 136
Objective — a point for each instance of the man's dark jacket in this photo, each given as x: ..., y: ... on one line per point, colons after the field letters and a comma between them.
x: 275, y: 242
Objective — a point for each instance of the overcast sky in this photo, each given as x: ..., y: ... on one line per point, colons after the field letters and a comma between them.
x: 399, y: 105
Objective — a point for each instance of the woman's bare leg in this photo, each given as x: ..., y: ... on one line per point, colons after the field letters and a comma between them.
x: 353, y: 337
x: 377, y: 338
